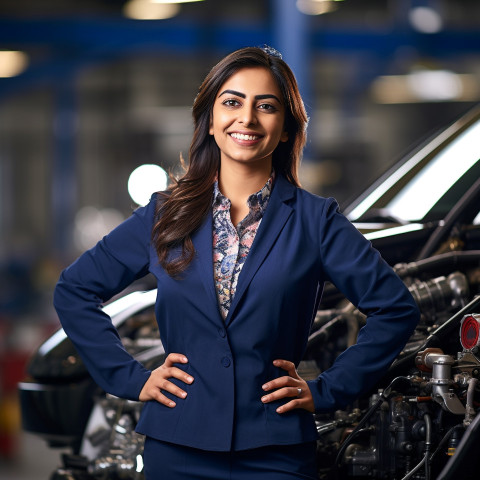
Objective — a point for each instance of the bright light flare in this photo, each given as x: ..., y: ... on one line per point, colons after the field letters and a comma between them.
x: 147, y: 10
x: 425, y: 20
x: 92, y: 223
x: 12, y: 63
x: 146, y: 180
x: 316, y: 7
x: 175, y: 1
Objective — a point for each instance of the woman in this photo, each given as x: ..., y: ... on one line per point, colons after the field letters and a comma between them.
x: 240, y: 253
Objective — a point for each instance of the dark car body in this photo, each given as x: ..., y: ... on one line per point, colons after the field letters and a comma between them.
x: 413, y: 207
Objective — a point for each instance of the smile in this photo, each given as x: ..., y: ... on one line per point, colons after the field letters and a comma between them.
x: 241, y: 136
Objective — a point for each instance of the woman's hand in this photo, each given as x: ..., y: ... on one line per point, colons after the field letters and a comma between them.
x: 158, y: 381
x: 289, y: 386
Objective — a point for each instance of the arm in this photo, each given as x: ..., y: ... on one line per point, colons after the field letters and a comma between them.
x: 350, y: 262
x: 358, y: 271
x: 117, y: 260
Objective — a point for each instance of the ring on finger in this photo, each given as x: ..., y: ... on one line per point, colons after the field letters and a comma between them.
x: 299, y: 392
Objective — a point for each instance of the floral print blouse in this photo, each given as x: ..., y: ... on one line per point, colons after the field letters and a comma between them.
x: 232, y: 244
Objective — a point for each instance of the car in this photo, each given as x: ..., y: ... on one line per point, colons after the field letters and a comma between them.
x: 422, y: 198
x: 420, y: 421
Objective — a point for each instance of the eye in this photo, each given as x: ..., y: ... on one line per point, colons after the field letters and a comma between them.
x: 267, y: 107
x: 230, y: 102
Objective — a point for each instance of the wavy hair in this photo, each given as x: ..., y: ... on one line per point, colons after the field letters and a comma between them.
x: 184, y: 205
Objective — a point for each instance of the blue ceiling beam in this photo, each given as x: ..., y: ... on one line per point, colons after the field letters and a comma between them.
x: 386, y: 42
x: 90, y: 33
x: 69, y: 44
x: 180, y: 35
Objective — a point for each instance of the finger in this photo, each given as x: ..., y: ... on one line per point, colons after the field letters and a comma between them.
x: 281, y: 393
x: 175, y: 372
x: 157, y: 395
x: 291, y: 405
x: 152, y: 390
x: 305, y: 401
x: 287, y: 366
x: 159, y: 379
x: 175, y: 358
x: 170, y: 387
x: 285, y: 381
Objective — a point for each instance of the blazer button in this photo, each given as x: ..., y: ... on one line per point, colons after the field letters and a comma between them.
x: 222, y: 332
x: 226, y: 362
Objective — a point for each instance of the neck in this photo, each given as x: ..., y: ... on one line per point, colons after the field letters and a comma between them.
x: 238, y: 182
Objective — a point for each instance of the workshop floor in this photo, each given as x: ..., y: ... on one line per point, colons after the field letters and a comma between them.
x: 33, y: 460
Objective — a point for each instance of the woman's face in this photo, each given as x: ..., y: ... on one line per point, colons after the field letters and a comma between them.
x: 248, y: 117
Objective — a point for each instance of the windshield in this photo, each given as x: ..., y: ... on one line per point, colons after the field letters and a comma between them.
x: 426, y: 187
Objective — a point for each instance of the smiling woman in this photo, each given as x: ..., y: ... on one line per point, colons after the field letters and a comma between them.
x: 188, y: 203
x: 240, y: 254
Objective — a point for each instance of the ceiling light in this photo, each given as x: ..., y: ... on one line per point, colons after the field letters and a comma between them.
x: 426, y: 86
x: 12, y: 63
x: 175, y: 1
x: 147, y: 10
x: 435, y: 85
x: 425, y: 19
x: 316, y: 7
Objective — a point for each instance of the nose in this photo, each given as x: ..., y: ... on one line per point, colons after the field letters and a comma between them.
x: 247, y: 115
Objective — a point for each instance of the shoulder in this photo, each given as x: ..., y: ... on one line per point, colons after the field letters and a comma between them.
x: 311, y: 198
x: 288, y: 192
x: 315, y: 206
x: 150, y: 212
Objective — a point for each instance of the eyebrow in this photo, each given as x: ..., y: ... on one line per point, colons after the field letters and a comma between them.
x: 257, y: 97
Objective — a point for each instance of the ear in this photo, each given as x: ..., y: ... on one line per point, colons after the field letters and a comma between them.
x: 284, y: 136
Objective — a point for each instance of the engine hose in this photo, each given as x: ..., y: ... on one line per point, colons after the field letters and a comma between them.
x: 464, y: 464
x: 382, y: 397
x: 445, y: 439
x: 472, y: 383
x: 441, y: 261
x: 425, y: 462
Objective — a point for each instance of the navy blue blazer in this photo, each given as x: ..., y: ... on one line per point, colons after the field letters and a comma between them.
x: 302, y: 241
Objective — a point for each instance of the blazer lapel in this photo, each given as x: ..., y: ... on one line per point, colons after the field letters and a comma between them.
x: 273, y: 221
x: 203, y: 263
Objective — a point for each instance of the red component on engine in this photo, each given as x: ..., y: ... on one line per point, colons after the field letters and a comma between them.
x: 420, y: 358
x: 470, y: 331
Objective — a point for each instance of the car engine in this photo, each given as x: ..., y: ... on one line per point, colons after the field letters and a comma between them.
x: 421, y: 422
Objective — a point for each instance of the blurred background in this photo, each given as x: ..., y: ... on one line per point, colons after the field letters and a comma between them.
x: 91, y: 90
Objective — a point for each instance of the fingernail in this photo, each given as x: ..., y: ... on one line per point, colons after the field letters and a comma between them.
x: 264, y: 399
x: 279, y: 410
x: 276, y: 362
x: 265, y: 387
x: 189, y: 379
x: 183, y: 394
x: 185, y: 359
x: 171, y: 404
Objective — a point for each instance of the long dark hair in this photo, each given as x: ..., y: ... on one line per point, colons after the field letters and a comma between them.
x: 183, y: 207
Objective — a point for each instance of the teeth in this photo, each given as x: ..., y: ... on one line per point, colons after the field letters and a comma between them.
x: 240, y: 136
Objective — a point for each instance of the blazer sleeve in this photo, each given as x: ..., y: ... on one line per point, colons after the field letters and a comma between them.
x: 358, y: 271
x: 103, y: 271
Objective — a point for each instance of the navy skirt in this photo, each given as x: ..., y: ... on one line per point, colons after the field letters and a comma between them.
x: 167, y: 461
